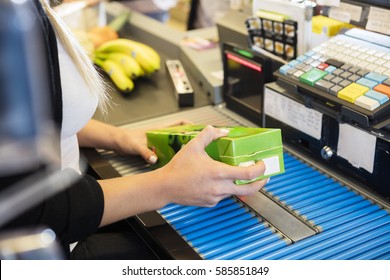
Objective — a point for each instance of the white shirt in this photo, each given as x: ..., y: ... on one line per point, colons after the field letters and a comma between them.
x: 78, y: 107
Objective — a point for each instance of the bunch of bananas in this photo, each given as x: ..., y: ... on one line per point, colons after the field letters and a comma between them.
x: 124, y: 60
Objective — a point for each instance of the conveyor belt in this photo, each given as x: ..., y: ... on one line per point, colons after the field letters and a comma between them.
x: 340, y: 222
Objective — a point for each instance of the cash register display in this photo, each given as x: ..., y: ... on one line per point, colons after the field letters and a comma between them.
x: 245, y: 74
x: 244, y: 80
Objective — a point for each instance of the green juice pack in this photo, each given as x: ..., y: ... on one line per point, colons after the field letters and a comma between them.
x: 241, y: 147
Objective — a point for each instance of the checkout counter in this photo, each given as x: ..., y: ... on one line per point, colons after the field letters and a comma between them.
x: 154, y: 96
x: 324, y: 214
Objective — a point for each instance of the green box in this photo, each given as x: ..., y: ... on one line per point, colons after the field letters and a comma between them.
x: 242, y: 146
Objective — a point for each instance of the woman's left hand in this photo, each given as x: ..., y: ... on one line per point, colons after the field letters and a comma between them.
x: 133, y: 141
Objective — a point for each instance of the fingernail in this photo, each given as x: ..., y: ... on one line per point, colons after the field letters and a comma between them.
x: 153, y: 159
x: 225, y: 130
x: 247, y: 163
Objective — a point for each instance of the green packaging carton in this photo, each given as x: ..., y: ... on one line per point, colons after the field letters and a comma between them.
x: 241, y: 147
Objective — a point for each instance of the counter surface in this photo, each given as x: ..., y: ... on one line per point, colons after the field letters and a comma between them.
x: 152, y: 97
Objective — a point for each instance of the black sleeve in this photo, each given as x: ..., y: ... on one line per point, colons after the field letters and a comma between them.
x: 72, y: 214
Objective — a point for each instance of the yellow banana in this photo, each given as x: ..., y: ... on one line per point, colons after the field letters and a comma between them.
x: 142, y: 72
x: 146, y: 56
x: 129, y: 65
x: 116, y: 74
x: 149, y: 51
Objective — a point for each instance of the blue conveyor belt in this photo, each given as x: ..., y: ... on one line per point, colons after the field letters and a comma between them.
x: 351, y: 226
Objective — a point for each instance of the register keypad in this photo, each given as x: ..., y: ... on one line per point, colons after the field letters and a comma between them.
x: 344, y: 68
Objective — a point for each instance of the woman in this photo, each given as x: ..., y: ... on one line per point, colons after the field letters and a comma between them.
x: 81, y: 210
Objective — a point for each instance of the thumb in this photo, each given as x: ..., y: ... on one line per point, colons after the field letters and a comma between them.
x: 148, y: 155
x: 209, y: 134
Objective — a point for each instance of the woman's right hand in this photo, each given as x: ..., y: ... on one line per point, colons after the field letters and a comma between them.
x: 190, y: 178
x: 193, y: 178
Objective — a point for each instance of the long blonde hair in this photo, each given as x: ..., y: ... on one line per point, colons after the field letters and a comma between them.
x: 82, y: 61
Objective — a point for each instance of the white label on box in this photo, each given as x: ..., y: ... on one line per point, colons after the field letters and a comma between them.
x: 356, y: 146
x: 292, y: 113
x: 272, y: 165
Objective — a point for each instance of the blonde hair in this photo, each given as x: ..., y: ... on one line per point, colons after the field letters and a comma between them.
x: 82, y: 61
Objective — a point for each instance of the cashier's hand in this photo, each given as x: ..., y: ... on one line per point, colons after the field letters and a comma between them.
x: 193, y: 178
x: 134, y: 142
